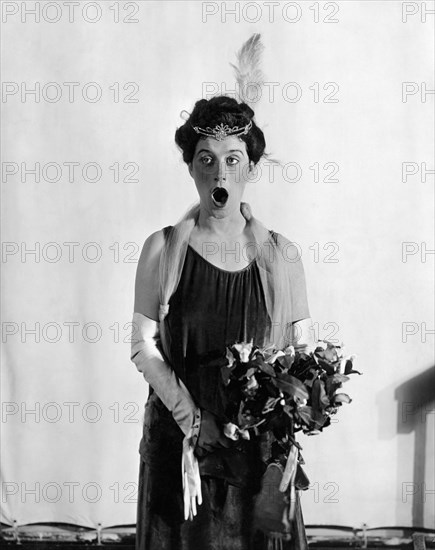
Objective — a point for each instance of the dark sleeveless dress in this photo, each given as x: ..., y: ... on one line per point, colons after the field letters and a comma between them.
x: 211, y: 308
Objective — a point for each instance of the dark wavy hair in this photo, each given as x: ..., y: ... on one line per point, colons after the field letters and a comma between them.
x: 217, y: 110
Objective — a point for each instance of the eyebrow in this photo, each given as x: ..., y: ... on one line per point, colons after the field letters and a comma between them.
x: 230, y: 151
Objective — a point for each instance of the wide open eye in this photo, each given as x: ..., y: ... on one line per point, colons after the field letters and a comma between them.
x: 232, y: 161
x: 206, y: 160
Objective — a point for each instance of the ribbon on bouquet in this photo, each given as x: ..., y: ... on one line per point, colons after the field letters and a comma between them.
x: 288, y: 479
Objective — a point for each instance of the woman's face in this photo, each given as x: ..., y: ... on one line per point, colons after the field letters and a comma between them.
x: 220, y: 170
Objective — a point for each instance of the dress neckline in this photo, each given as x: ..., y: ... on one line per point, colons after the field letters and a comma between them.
x: 226, y: 271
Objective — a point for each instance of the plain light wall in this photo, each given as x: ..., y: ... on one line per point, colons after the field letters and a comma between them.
x: 81, y: 444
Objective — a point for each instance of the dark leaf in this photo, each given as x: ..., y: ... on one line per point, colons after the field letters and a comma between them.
x: 292, y: 386
x: 319, y: 398
x: 306, y: 415
x: 281, y: 425
x: 311, y: 418
x: 263, y: 366
x: 302, y: 365
x: 328, y: 367
x: 239, y: 369
x: 270, y: 388
x: 310, y: 376
x: 348, y: 369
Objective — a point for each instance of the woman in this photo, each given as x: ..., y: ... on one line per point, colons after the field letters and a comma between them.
x: 216, y: 278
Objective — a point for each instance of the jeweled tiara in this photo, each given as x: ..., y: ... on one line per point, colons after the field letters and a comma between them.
x: 221, y: 131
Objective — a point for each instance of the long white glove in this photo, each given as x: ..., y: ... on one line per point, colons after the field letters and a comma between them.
x: 177, y: 399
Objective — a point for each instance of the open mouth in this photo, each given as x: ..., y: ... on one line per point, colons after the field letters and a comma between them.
x: 219, y: 196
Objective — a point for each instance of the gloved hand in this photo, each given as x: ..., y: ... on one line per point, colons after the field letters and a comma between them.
x: 211, y: 435
x: 192, y: 493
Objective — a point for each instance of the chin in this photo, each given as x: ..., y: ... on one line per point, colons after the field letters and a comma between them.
x: 229, y: 208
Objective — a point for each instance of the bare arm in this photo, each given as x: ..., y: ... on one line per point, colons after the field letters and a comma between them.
x: 146, y: 300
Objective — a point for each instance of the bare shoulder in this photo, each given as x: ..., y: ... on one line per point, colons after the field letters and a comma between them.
x: 147, y: 276
x: 152, y: 248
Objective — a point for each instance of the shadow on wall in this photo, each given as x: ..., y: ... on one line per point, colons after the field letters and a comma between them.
x: 415, y: 408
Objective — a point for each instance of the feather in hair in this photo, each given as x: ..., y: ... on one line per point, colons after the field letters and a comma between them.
x: 248, y: 73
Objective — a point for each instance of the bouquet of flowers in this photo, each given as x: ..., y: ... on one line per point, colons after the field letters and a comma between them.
x: 279, y: 393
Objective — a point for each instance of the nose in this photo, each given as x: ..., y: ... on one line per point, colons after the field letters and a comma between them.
x: 220, y: 176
